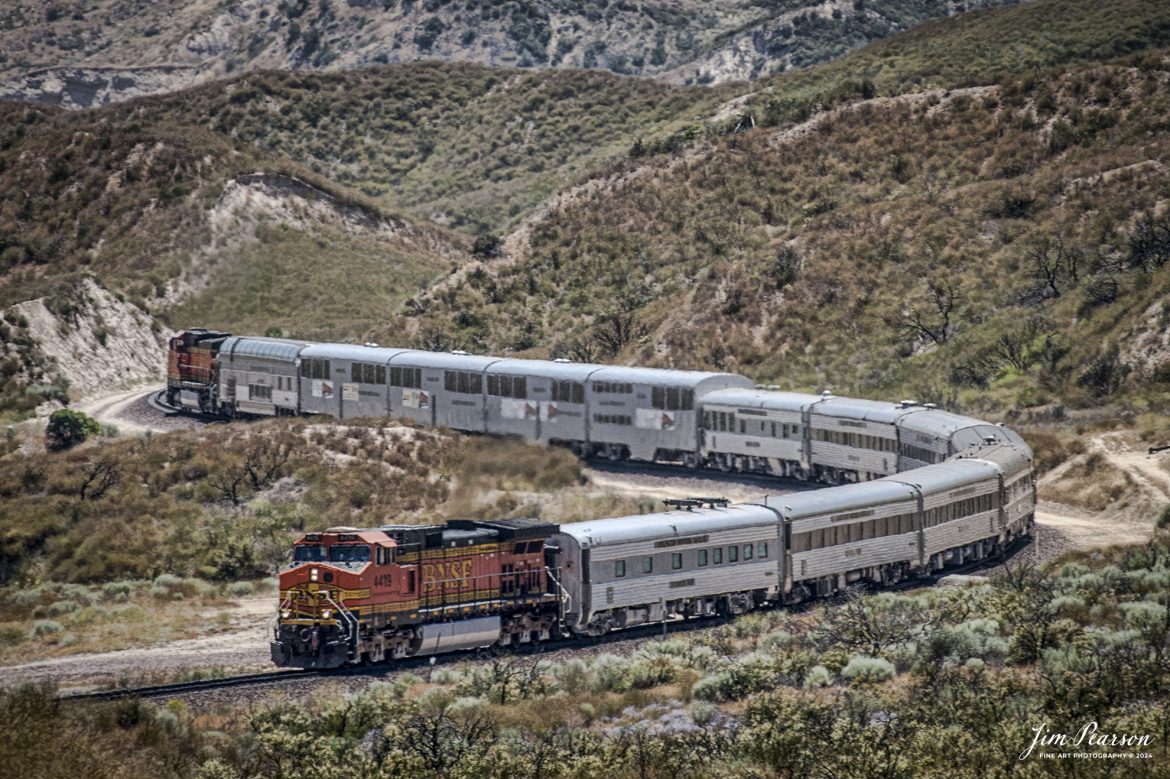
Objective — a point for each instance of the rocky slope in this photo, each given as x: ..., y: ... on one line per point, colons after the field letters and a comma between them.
x: 80, y: 53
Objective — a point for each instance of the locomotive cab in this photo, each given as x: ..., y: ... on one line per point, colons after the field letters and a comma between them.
x: 334, y: 587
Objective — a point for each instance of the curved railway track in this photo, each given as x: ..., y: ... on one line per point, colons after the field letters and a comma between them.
x: 642, y: 632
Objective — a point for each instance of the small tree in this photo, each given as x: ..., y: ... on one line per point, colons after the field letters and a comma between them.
x: 68, y: 428
x: 487, y: 246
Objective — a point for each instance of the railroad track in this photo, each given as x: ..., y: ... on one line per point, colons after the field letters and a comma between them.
x: 178, y: 689
x: 157, y: 401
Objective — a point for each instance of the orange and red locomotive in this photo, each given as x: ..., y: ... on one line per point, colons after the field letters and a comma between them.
x: 360, y: 596
x: 191, y: 369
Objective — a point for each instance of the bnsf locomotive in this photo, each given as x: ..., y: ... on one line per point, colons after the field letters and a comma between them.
x: 921, y: 489
x: 354, y: 595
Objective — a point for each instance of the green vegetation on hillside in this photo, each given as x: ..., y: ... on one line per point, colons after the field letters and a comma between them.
x: 460, y: 144
x: 327, y: 285
x: 974, y: 49
x: 942, y: 683
x: 939, y: 244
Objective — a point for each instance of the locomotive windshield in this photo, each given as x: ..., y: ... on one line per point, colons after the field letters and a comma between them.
x: 349, y: 553
x: 309, y: 553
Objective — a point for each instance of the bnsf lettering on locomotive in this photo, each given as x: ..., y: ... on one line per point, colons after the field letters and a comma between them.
x: 456, y: 573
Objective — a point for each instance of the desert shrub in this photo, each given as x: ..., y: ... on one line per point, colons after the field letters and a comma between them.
x: 68, y: 428
x: 446, y: 675
x: 571, y: 675
x: 778, y: 641
x: 608, y: 673
x: 45, y: 627
x: 466, y: 703
x: 62, y: 607
x: 715, y: 687
x: 703, y: 712
x: 117, y: 591
x: 651, y: 672
x: 239, y: 589
x: 1072, y: 606
x: 818, y: 676
x: 863, y: 668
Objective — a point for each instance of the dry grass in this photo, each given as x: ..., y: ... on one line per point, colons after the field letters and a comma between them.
x: 1091, y: 483
x: 57, y: 620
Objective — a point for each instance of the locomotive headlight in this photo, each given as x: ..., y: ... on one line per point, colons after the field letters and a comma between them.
x: 285, y: 613
x: 312, y: 574
x: 325, y: 613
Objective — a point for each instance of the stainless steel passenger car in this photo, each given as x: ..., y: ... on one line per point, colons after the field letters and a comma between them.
x: 932, y: 436
x: 959, y: 510
x: 1017, y: 486
x: 756, y: 430
x: 441, y: 389
x: 258, y: 376
x: 854, y: 440
x: 343, y: 380
x: 838, y: 535
x: 631, y: 570
x: 649, y: 413
x: 541, y: 400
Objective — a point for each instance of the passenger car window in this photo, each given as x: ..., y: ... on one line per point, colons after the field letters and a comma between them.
x: 747, y: 551
x: 619, y: 569
x: 676, y: 561
x: 732, y: 554
x: 717, y: 555
x: 647, y: 565
x: 702, y: 557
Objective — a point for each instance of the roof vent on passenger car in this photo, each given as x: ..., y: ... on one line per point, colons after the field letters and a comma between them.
x: 341, y: 529
x: 460, y: 352
x: 370, y: 344
x: 828, y: 393
x: 562, y: 359
x: 908, y: 403
x: 687, y: 504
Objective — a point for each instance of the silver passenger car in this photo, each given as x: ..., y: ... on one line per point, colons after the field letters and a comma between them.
x: 960, y: 507
x: 853, y: 439
x: 932, y: 436
x: 630, y: 570
x: 258, y: 376
x: 541, y: 400
x: 1017, y: 486
x: 650, y: 413
x: 756, y: 430
x: 441, y: 389
x: 841, y: 534
x: 344, y: 380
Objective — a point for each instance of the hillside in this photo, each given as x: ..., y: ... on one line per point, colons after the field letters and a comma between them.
x: 1006, y: 237
x: 463, y: 145
x: 80, y: 53
x: 184, y: 223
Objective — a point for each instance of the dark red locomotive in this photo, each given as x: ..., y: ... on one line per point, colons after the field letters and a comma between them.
x: 359, y: 596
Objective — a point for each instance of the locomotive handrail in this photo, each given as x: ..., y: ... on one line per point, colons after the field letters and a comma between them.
x: 565, y: 599
x: 351, y: 623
